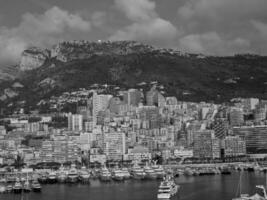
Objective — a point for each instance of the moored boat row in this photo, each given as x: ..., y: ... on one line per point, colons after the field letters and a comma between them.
x: 20, y: 187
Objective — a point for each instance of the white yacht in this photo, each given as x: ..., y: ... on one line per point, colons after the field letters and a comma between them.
x: 105, y: 174
x: 72, y: 176
x: 118, y: 175
x: 150, y: 172
x: 255, y: 196
x: 167, y: 189
x: 2, y: 189
x: 158, y: 170
x: 27, y: 186
x: 137, y: 172
x: 126, y: 173
x: 36, y: 186
x: 61, y: 175
x: 52, y: 177
x: 17, y: 188
x: 84, y: 174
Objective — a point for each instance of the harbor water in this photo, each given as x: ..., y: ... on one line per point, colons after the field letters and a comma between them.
x: 215, y: 187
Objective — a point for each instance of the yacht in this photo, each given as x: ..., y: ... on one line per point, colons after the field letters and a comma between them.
x: 9, y: 188
x: 72, y: 174
x: 61, y: 175
x: 2, y: 189
x: 43, y: 178
x: 167, y: 188
x: 52, y: 177
x: 126, y: 173
x: 118, y: 175
x: 158, y: 170
x: 255, y: 196
x: 17, y: 188
x: 36, y: 187
x: 150, y: 172
x: 188, y: 171
x: 27, y: 186
x: 105, y: 175
x: 137, y: 172
x: 84, y: 175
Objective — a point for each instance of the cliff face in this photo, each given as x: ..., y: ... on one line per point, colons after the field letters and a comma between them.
x: 77, y: 50
x: 33, y: 58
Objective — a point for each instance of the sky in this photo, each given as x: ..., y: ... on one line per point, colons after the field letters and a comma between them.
x: 211, y: 27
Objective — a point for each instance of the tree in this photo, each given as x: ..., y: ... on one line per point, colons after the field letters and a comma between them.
x: 19, y: 161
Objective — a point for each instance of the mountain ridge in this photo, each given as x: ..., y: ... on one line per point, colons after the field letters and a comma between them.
x: 77, y: 64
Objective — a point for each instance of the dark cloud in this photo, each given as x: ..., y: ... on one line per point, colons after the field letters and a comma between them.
x: 41, y: 30
x: 220, y: 27
x: 235, y: 26
x: 145, y: 23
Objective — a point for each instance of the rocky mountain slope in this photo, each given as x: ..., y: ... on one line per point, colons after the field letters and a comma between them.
x: 77, y: 64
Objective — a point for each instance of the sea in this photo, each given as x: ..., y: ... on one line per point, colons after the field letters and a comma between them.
x: 214, y: 187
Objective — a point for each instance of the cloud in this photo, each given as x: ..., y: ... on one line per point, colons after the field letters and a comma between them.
x: 137, y: 10
x: 145, y: 23
x: 227, y: 26
x: 260, y: 27
x: 40, y: 30
x: 212, y: 43
x: 99, y: 18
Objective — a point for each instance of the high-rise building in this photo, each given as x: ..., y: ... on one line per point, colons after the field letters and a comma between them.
x: 60, y: 149
x: 155, y: 98
x: 84, y: 111
x: 132, y: 97
x: 234, y: 146
x: 254, y: 136
x: 114, y: 145
x: 2, y: 130
x: 220, y: 127
x: 260, y: 113
x: 236, y: 117
x: 75, y: 122
x: 151, y: 115
x: 100, y: 103
x: 250, y: 104
x: 206, y: 145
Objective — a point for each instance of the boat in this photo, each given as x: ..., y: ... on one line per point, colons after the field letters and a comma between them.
x: 2, y: 189
x: 118, y: 175
x: 137, y: 172
x: 3, y: 180
x: 158, y: 170
x: 126, y: 173
x: 84, y: 175
x: 105, y: 174
x: 9, y: 188
x: 253, y: 197
x: 61, y: 175
x: 36, y: 186
x: 225, y: 171
x: 150, y: 172
x: 72, y: 176
x: 43, y: 178
x: 17, y: 188
x: 188, y: 171
x: 52, y: 177
x: 167, y: 188
x: 27, y: 186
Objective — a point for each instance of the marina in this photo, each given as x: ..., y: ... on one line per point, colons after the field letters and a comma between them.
x: 216, y: 187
